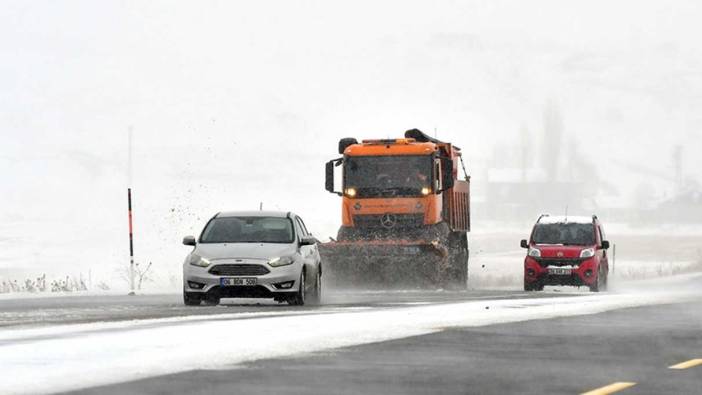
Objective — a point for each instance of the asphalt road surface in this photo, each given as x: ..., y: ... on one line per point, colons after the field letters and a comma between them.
x: 557, y: 356
x: 561, y: 341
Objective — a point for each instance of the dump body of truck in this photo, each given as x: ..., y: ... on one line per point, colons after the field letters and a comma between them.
x: 405, y: 215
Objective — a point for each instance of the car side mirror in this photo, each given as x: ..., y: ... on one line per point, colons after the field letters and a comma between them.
x: 524, y: 244
x: 308, y: 241
x: 605, y: 245
x: 189, y: 241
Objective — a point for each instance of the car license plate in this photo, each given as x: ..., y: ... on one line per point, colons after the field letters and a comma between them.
x: 559, y: 271
x: 238, y: 281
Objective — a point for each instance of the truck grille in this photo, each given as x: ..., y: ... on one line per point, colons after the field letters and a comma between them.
x: 397, y: 221
x: 239, y: 270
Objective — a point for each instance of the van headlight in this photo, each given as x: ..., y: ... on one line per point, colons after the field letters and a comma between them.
x: 534, y: 252
x: 197, y: 260
x: 281, y: 261
x: 587, y: 253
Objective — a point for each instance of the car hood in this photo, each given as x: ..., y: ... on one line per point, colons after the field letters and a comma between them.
x: 244, y: 250
x: 559, y: 251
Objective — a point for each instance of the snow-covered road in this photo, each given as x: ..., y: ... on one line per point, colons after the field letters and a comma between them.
x: 59, y: 358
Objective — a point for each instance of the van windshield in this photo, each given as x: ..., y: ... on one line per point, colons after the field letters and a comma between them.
x: 248, y: 230
x: 564, y: 233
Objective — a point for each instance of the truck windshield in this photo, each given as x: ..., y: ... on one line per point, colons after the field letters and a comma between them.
x: 388, y: 176
x: 564, y: 233
x: 248, y: 230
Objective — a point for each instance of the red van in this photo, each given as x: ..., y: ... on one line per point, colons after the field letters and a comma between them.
x: 566, y: 250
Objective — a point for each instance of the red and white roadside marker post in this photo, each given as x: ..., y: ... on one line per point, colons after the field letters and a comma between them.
x: 131, y: 243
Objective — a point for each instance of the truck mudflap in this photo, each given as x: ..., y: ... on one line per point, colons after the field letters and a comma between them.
x: 384, y: 264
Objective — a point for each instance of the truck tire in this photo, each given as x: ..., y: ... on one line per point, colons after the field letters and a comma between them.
x: 456, y: 277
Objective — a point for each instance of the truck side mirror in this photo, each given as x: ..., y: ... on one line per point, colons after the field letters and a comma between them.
x: 605, y: 245
x: 524, y: 244
x: 329, y: 176
x: 189, y: 241
x: 447, y: 173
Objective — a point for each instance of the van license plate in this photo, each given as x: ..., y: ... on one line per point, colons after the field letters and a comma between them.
x: 238, y: 281
x: 560, y: 272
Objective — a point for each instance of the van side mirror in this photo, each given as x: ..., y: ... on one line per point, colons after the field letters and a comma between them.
x: 524, y: 244
x: 605, y: 244
x: 189, y: 241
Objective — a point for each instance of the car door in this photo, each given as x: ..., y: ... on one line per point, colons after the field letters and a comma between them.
x: 307, y: 252
x: 604, y: 260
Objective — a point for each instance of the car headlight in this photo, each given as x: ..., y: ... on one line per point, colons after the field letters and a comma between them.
x: 587, y: 253
x: 534, y: 252
x: 197, y: 260
x: 281, y: 261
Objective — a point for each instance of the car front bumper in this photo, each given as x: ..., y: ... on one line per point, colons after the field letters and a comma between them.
x: 200, y: 280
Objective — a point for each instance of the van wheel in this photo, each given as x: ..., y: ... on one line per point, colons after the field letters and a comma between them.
x: 598, y: 285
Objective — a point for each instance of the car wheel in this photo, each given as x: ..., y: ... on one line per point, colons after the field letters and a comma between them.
x: 191, y: 300
x: 316, y: 296
x: 597, y: 285
x: 299, y: 298
x: 533, y: 287
x: 212, y: 300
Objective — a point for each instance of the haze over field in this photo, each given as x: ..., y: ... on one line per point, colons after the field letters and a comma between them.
x: 232, y: 104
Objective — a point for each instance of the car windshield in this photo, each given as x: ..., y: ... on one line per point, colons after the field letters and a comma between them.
x: 248, y: 230
x: 387, y: 176
x: 564, y: 233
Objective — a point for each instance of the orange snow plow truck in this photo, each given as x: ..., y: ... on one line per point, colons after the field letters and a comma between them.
x: 405, y: 215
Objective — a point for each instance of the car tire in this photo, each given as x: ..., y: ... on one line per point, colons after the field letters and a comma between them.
x: 316, y: 296
x: 299, y: 298
x: 597, y: 285
x: 529, y: 287
x: 212, y: 300
x: 191, y: 300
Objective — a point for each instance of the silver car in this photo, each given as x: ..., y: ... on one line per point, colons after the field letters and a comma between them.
x: 253, y: 254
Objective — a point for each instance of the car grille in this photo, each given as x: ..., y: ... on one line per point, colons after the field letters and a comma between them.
x: 239, y: 270
x: 543, y: 262
x: 399, y: 220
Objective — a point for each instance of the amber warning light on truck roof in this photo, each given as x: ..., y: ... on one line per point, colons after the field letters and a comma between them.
x: 389, y: 141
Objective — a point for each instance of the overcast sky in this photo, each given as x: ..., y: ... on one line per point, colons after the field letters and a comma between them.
x: 237, y: 102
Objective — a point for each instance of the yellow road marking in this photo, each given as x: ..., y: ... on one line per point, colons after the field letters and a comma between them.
x: 610, y: 389
x: 689, y: 364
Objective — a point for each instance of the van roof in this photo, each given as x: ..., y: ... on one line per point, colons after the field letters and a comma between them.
x: 562, y: 219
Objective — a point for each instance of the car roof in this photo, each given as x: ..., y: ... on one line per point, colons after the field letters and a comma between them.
x: 278, y: 214
x: 562, y: 219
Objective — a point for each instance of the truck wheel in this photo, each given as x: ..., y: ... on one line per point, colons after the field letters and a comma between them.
x: 458, y: 261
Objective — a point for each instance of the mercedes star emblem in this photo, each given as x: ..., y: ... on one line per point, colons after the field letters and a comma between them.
x: 388, y: 221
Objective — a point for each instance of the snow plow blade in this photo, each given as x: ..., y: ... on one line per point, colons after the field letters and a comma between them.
x: 384, y: 265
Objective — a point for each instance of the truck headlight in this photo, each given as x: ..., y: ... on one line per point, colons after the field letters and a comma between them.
x: 281, y: 261
x: 426, y: 191
x: 351, y: 192
x: 587, y: 253
x: 534, y: 252
x: 197, y: 260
